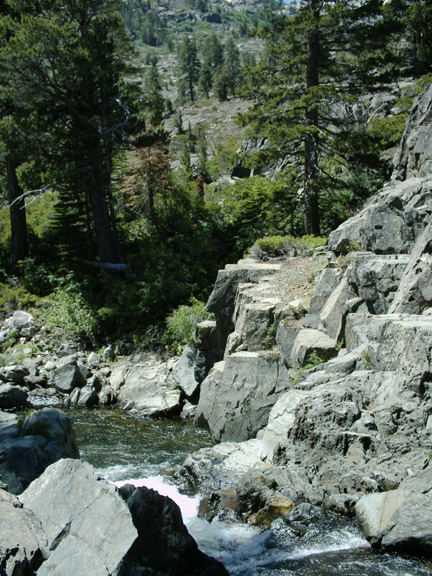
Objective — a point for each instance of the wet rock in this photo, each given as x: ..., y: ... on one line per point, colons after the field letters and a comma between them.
x: 221, y: 466
x: 163, y: 544
x: 400, y: 519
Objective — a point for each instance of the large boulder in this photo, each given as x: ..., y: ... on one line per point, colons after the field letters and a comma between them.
x: 391, y: 221
x: 67, y: 375
x: 400, y: 519
x: 23, y: 543
x: 414, y: 293
x: 88, y: 526
x: 185, y: 371
x: 238, y: 394
x: 163, y: 544
x: 22, y: 322
x: 222, y: 300
x: 376, y: 279
x: 73, y: 523
x: 44, y: 437
x: 147, y: 388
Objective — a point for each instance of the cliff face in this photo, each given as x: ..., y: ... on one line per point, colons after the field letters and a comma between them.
x: 341, y: 406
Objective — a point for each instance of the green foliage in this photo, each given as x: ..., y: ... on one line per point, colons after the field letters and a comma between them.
x: 388, y: 131
x: 277, y: 246
x: 315, y: 359
x: 36, y: 278
x: 181, y: 324
x: 67, y: 309
x: 269, y: 339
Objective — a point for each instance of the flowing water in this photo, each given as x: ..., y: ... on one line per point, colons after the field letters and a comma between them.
x: 121, y: 449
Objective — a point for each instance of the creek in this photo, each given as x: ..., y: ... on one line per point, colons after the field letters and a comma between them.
x: 121, y: 448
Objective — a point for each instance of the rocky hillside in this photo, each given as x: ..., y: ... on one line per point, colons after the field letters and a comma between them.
x: 338, y: 411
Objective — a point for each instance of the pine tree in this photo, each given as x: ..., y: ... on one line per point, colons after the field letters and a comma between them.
x: 189, y: 63
x: 316, y: 64
x: 65, y: 62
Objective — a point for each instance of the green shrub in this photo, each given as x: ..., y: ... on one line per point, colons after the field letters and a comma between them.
x: 181, y: 324
x: 68, y: 310
x: 277, y: 246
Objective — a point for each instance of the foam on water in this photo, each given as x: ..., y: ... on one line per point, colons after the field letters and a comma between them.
x: 187, y: 504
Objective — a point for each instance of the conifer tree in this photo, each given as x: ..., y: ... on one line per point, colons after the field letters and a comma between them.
x: 316, y: 64
x: 65, y: 61
x: 189, y: 63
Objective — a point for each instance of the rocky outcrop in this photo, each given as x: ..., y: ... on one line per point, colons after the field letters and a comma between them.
x: 69, y: 522
x: 351, y: 419
x: 237, y: 395
x: 26, y: 450
x: 414, y: 156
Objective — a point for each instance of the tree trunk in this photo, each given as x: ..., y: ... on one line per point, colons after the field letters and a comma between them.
x: 104, y: 220
x: 311, y: 209
x: 19, y: 243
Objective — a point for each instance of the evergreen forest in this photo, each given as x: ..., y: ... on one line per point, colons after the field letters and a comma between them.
x: 144, y: 144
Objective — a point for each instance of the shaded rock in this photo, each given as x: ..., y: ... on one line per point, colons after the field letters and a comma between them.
x: 88, y: 526
x: 274, y: 507
x: 33, y: 382
x: 23, y: 543
x: 12, y: 397
x: 107, y: 396
x: 15, y: 374
x: 414, y: 293
x: 163, y: 545
x: 327, y: 282
x: 305, y: 343
x: 46, y: 436
x: 67, y: 375
x: 376, y: 279
x: 88, y: 397
x: 211, y: 343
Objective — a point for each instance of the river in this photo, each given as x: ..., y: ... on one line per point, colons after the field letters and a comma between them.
x: 121, y: 448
